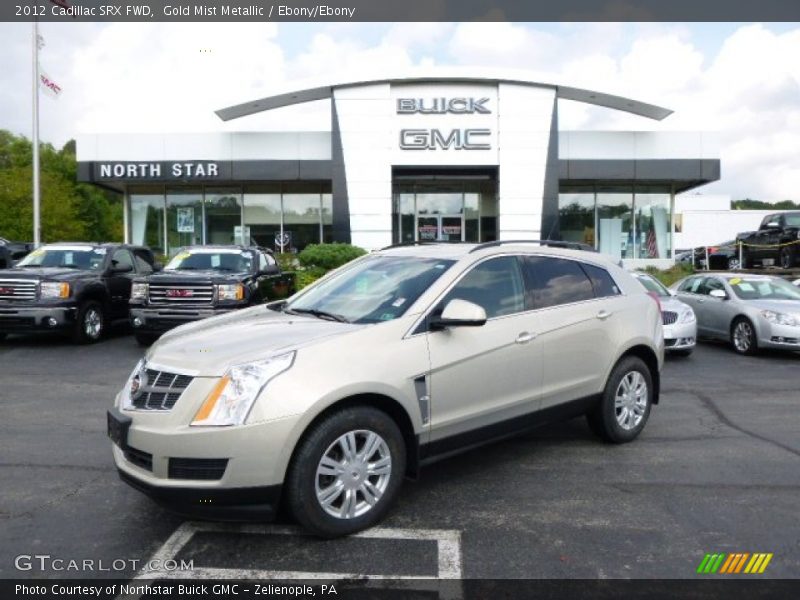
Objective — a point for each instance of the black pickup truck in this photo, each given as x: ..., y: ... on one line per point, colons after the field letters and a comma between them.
x: 777, y: 241
x: 204, y: 281
x: 72, y: 287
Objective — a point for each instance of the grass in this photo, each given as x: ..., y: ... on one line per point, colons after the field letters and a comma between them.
x: 671, y: 275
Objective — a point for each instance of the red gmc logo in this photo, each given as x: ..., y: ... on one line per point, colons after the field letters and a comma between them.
x: 179, y: 293
x: 6, y: 291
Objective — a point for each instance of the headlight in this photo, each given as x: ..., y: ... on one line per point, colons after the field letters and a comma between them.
x: 131, y: 386
x: 54, y: 289
x: 687, y: 317
x: 139, y: 291
x: 777, y: 318
x: 230, y: 401
x: 230, y: 292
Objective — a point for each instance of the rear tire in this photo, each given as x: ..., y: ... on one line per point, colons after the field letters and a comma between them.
x: 90, y: 324
x: 145, y: 339
x: 625, y: 405
x: 346, y: 472
x: 787, y: 257
x: 743, y: 337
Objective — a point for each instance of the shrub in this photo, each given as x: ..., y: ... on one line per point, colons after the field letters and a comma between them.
x: 671, y: 275
x: 328, y: 256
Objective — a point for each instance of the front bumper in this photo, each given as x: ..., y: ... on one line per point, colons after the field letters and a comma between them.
x: 159, y: 320
x: 253, y: 457
x: 680, y: 336
x: 779, y: 337
x: 36, y: 318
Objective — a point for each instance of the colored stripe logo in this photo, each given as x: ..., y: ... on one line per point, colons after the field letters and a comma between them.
x: 734, y: 563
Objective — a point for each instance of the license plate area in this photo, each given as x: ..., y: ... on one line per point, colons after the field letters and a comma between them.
x: 117, y: 428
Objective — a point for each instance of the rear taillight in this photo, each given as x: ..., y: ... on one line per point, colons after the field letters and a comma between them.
x: 654, y: 296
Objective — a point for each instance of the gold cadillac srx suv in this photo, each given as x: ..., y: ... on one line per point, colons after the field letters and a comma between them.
x: 326, y: 401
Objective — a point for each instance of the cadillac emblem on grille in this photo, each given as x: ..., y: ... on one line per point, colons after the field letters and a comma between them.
x: 179, y: 293
x: 136, y: 384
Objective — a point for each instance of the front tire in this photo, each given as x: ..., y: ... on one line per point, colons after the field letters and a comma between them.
x: 90, y: 324
x: 625, y: 405
x: 743, y: 337
x: 787, y: 257
x: 346, y: 472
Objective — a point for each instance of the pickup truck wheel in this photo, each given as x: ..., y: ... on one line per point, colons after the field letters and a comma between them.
x: 787, y: 257
x: 625, y: 405
x: 89, y: 324
x: 747, y: 260
x: 346, y: 472
x: 743, y: 336
x: 145, y: 339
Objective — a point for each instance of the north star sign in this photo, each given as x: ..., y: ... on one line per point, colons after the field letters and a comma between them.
x: 434, y: 139
x: 159, y: 170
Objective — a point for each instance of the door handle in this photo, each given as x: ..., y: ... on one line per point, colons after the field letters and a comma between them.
x: 525, y: 337
x: 603, y: 315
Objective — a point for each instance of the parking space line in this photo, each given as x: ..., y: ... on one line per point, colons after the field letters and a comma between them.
x: 448, y: 543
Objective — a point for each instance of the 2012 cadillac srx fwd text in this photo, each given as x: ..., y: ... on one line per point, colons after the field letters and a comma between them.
x: 324, y: 402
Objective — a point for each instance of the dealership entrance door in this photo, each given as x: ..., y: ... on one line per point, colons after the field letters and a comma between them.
x: 444, y: 208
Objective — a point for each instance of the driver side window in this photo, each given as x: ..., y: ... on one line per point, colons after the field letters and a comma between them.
x: 122, y: 258
x: 495, y: 284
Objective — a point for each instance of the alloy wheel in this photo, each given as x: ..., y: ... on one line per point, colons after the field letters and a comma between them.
x: 630, y: 400
x: 93, y: 323
x: 353, y: 474
x: 743, y: 336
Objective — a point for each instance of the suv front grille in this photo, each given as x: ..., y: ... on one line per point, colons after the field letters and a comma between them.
x: 18, y: 289
x: 160, y: 390
x: 181, y: 294
x: 669, y: 317
x: 210, y: 469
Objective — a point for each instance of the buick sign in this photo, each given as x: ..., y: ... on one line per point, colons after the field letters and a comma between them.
x: 440, y: 106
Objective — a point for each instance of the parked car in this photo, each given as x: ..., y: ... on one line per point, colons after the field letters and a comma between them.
x: 11, y: 252
x: 777, y: 241
x: 680, y: 324
x: 73, y: 287
x: 204, y: 281
x: 720, y: 257
x: 749, y: 311
x: 400, y: 357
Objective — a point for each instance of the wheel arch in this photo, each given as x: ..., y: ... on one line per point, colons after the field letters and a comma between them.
x: 382, y: 402
x: 648, y: 355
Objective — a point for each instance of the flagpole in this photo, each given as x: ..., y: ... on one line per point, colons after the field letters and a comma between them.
x: 36, y: 225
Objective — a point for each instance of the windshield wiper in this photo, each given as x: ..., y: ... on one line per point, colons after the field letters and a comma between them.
x: 320, y: 314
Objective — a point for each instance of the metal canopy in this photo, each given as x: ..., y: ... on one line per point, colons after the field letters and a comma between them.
x: 642, y: 109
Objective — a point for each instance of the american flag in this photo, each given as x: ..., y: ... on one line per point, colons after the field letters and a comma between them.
x: 652, y: 245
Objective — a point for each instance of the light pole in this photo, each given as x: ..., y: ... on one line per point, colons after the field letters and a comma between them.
x: 36, y: 217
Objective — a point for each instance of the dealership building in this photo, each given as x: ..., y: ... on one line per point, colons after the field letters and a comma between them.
x: 409, y: 159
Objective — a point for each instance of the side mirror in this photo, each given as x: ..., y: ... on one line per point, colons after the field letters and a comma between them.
x: 718, y: 294
x: 270, y: 270
x: 121, y: 269
x: 459, y: 313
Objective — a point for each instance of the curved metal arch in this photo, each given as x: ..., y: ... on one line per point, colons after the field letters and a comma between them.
x: 651, y: 111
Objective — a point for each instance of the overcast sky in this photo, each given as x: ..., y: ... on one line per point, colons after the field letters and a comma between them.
x: 739, y: 80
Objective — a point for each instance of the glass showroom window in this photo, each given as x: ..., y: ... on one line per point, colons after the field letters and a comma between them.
x: 653, y: 225
x: 615, y: 221
x: 327, y: 214
x: 262, y: 215
x: 403, y: 213
x: 302, y: 222
x: 147, y: 217
x: 223, y: 211
x: 184, y: 218
x: 576, y: 208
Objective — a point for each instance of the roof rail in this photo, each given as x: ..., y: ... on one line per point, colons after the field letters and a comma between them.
x: 416, y: 243
x: 552, y: 243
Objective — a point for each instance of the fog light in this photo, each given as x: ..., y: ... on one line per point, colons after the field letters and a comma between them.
x: 51, y: 322
x: 137, y: 322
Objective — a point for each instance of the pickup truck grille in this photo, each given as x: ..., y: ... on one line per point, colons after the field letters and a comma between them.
x: 180, y: 294
x: 669, y: 317
x: 18, y: 289
x: 161, y: 390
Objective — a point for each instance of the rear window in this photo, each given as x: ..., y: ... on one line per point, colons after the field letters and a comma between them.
x: 602, y: 282
x: 557, y: 281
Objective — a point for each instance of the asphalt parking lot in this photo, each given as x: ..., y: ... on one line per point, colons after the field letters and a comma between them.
x: 716, y: 470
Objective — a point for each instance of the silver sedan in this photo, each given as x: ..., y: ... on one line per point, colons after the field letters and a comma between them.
x: 749, y: 311
x: 680, y: 325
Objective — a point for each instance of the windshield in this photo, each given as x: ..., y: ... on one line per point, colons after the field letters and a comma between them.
x: 211, y: 260
x: 379, y: 288
x: 763, y: 289
x: 84, y: 258
x: 653, y: 285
